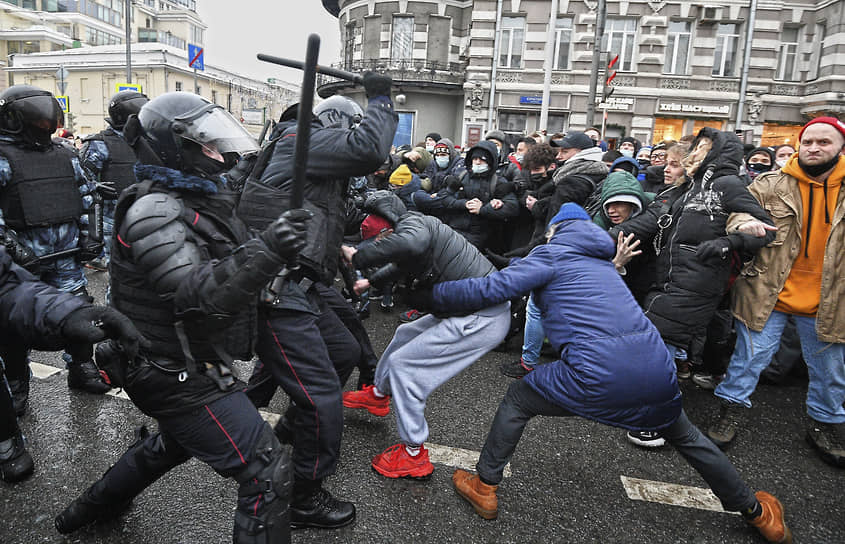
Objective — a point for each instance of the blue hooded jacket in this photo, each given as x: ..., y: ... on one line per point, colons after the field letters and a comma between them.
x: 613, y: 366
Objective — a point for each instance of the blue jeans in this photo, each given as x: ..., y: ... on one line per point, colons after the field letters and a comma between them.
x: 533, y: 336
x: 754, y: 352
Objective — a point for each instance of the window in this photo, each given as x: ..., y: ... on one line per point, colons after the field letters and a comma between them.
x: 402, y: 41
x: 512, y: 122
x: 178, y: 85
x: 98, y: 37
x: 24, y: 47
x: 818, y: 49
x: 619, y: 38
x: 556, y: 123
x: 147, y: 35
x: 214, y: 97
x: 196, y: 35
x: 788, y: 54
x: 677, y: 47
x: 563, y: 42
x: 512, y: 40
x: 727, y: 39
x: 404, y: 130
x: 349, y: 45
x: 55, y: 6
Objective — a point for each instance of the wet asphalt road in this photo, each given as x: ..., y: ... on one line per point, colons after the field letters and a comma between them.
x: 565, y: 485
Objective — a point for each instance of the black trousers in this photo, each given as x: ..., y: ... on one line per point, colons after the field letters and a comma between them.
x: 310, y: 357
x: 8, y: 421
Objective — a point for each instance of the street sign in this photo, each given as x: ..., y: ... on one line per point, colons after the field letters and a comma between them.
x: 62, y: 73
x: 127, y: 87
x: 536, y: 100
x: 64, y: 102
x: 195, y: 57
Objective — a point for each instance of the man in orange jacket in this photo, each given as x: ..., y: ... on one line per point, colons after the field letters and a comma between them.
x: 799, y: 274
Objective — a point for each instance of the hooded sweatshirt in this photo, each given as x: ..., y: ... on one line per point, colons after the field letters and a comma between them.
x: 802, y: 290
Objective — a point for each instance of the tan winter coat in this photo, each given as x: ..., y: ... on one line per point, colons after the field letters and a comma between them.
x: 756, y: 290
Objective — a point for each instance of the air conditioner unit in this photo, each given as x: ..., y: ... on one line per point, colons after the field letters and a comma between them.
x: 710, y: 14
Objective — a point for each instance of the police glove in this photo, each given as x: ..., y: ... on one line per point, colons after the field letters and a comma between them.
x: 453, y: 183
x: 377, y: 84
x: 286, y: 236
x: 107, y: 190
x: 498, y: 261
x: 91, y: 324
x: 421, y: 299
x: 711, y: 250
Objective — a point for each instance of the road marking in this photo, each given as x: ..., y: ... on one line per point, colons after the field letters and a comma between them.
x: 442, y: 455
x: 42, y: 372
x: 672, y: 494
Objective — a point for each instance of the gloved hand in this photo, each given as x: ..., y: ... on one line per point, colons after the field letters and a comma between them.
x: 21, y: 254
x: 453, y: 183
x: 503, y: 189
x: 718, y: 248
x: 107, y: 190
x: 498, y: 261
x: 286, y: 236
x: 421, y: 299
x: 376, y: 84
x: 91, y: 324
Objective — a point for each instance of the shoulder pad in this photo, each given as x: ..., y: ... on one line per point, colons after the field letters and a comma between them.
x: 94, y: 138
x: 149, y: 213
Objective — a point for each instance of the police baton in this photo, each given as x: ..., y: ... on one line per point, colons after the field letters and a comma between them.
x: 334, y: 72
x: 303, y: 120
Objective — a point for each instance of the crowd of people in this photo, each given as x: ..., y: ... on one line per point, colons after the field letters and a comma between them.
x: 701, y: 258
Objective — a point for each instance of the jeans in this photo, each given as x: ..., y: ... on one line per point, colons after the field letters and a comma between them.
x: 754, y: 352
x: 534, y: 335
x: 522, y: 402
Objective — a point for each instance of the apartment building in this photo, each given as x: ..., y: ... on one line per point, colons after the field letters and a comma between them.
x: 465, y: 67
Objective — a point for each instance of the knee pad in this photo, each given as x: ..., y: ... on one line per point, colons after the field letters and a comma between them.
x: 267, y: 476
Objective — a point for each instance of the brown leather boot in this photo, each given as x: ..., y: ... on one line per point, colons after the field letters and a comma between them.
x: 481, y: 496
x: 771, y: 523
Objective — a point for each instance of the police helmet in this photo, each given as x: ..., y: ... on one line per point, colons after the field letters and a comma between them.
x: 124, y: 104
x: 339, y: 112
x: 187, y: 132
x: 29, y: 114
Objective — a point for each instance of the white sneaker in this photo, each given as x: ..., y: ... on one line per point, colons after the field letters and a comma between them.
x: 646, y: 439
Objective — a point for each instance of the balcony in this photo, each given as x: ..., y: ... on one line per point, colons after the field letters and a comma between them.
x: 424, y: 73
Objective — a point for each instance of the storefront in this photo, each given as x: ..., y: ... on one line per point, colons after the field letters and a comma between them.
x: 777, y: 134
x: 674, y: 120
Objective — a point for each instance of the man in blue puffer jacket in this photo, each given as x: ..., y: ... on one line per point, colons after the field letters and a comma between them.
x: 613, y: 366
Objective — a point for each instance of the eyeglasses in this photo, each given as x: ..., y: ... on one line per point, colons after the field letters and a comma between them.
x: 658, y: 155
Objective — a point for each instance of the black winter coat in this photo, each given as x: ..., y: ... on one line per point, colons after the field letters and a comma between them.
x: 688, y: 289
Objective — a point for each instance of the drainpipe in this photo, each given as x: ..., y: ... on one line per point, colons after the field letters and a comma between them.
x: 746, y: 59
x: 601, y: 17
x: 550, y: 62
x: 496, y: 41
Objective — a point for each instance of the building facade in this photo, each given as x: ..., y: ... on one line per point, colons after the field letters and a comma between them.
x: 94, y: 72
x: 466, y: 67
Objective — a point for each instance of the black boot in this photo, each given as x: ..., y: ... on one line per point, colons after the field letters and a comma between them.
x: 313, y: 506
x: 85, y: 376
x: 84, y: 510
x: 15, y: 462
x: 20, y: 395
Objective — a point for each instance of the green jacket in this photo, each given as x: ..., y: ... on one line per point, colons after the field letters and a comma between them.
x: 620, y: 183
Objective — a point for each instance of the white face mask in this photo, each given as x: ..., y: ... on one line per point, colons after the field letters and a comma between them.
x: 479, y: 168
x: 429, y: 148
x: 627, y: 152
x: 781, y: 163
x: 519, y: 157
x: 442, y: 162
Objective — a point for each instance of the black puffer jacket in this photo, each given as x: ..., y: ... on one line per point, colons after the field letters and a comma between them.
x: 421, y: 246
x: 688, y: 289
x: 450, y: 205
x: 334, y: 156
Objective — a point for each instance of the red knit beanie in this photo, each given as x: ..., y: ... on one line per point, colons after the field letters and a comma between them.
x: 374, y: 225
x: 832, y: 121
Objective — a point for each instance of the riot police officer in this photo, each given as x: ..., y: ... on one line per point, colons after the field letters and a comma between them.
x: 44, y: 196
x: 184, y: 269
x: 302, y: 339
x: 45, y: 318
x: 109, y: 161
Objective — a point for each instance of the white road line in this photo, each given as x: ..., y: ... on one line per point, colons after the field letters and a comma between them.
x: 43, y: 372
x: 672, y: 494
x: 442, y: 455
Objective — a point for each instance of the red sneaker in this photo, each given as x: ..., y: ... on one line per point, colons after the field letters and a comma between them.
x: 410, y: 315
x: 365, y: 398
x: 396, y: 462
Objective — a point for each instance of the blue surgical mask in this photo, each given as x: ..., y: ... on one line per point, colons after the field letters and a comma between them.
x: 442, y: 162
x: 479, y: 168
x: 627, y: 152
x: 429, y: 148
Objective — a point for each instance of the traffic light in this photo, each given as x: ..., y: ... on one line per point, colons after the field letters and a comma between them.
x: 607, y: 90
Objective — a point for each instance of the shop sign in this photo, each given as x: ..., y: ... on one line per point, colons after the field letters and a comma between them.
x: 711, y: 109
x: 620, y: 103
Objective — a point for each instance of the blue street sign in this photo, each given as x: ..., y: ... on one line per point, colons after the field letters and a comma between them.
x: 195, y: 54
x: 538, y: 100
x: 127, y: 87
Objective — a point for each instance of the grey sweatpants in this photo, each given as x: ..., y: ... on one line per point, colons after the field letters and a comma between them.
x: 428, y: 352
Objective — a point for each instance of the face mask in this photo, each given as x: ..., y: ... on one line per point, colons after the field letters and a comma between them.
x: 595, y: 142
x: 519, y: 157
x: 538, y: 179
x: 782, y: 163
x: 644, y: 162
x: 442, y: 162
x: 559, y: 162
x: 627, y: 153
x: 815, y: 170
x: 479, y: 168
x: 759, y: 167
x: 429, y: 148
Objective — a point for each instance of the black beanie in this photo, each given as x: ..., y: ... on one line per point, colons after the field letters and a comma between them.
x: 434, y: 136
x: 631, y: 139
